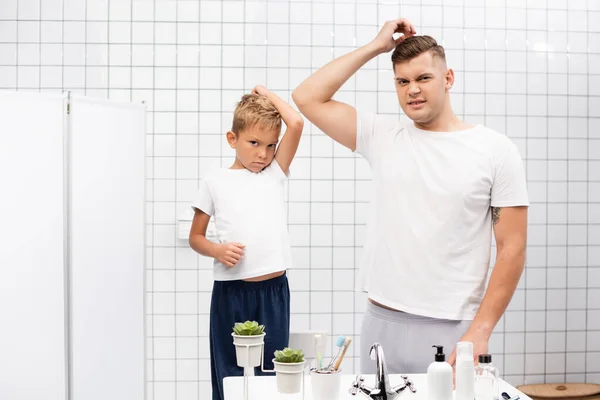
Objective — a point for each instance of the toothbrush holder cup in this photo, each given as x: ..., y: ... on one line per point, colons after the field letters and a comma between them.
x: 325, y: 384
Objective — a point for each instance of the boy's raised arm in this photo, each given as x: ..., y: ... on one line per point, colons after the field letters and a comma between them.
x: 294, y: 123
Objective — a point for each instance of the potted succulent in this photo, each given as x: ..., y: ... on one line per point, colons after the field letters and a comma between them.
x: 289, y: 368
x: 248, y: 338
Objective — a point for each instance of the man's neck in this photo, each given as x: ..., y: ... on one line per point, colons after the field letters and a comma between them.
x: 446, y: 121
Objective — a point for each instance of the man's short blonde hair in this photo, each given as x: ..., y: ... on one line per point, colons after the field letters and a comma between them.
x: 255, y: 110
x: 414, y: 46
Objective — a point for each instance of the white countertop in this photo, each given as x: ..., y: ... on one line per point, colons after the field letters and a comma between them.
x: 265, y: 388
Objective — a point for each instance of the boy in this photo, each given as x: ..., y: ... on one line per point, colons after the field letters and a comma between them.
x: 253, y: 252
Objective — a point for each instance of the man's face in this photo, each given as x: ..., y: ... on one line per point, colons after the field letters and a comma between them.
x: 422, y: 84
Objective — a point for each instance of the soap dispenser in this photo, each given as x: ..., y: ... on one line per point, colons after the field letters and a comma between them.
x: 465, y: 371
x: 439, y: 377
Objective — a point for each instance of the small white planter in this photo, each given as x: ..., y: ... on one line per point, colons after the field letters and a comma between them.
x: 289, y: 376
x: 248, y: 349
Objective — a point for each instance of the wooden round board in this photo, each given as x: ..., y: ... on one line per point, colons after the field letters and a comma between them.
x: 561, y: 391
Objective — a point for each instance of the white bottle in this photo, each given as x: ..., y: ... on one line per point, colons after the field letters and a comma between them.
x: 486, y: 379
x: 439, y: 377
x: 465, y: 371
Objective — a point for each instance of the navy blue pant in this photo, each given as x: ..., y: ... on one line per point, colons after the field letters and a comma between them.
x: 267, y: 302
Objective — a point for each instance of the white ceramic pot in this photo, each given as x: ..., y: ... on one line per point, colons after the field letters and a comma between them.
x: 289, y: 376
x: 248, y: 349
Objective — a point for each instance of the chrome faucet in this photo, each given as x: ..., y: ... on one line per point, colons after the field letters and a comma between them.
x: 382, y: 389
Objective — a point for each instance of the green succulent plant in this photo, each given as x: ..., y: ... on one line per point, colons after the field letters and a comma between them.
x: 289, y: 355
x: 248, y: 328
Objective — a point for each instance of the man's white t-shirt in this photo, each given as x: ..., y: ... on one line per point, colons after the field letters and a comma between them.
x: 248, y: 208
x: 429, y: 230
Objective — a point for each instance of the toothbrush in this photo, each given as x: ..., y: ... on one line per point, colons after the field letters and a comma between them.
x: 319, y: 358
x: 340, y: 344
x: 336, y: 366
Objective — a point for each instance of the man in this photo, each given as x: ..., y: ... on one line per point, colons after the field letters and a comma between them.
x: 440, y: 186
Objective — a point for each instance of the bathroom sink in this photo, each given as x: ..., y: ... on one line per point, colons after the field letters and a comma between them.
x: 265, y: 388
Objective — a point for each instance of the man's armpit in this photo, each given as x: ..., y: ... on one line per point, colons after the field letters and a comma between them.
x: 496, y: 214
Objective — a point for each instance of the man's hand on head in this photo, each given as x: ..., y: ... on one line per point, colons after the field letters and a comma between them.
x: 385, y: 41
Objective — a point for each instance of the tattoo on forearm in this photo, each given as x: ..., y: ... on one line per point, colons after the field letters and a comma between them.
x: 496, y: 214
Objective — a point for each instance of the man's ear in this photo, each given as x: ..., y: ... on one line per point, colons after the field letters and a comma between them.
x: 449, y: 78
x: 232, y: 139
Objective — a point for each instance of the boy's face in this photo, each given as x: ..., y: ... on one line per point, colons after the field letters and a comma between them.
x: 421, y: 85
x: 254, y: 146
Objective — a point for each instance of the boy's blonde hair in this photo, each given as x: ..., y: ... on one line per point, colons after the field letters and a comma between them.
x: 253, y: 110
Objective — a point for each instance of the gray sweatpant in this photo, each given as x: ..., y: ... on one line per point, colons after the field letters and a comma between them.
x: 406, y: 339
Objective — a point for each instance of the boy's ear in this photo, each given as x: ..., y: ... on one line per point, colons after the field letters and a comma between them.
x: 231, y: 139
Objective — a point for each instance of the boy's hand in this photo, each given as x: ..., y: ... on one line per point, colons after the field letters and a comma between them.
x: 230, y: 253
x: 385, y: 41
x: 260, y: 90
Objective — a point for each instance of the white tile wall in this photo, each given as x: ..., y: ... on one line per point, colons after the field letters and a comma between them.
x: 527, y: 68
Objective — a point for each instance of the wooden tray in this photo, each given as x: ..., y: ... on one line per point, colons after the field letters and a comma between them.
x: 587, y: 391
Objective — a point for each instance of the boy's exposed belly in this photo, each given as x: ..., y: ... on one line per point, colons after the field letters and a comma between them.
x: 265, y: 277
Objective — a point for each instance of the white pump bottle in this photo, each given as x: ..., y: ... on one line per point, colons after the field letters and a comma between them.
x: 439, y: 377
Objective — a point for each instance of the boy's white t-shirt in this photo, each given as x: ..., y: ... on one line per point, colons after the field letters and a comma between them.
x: 429, y: 232
x: 248, y: 208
